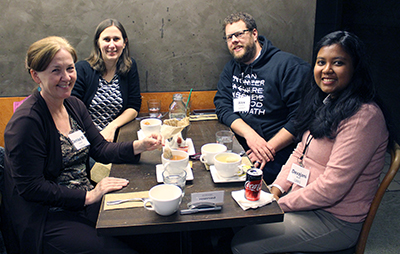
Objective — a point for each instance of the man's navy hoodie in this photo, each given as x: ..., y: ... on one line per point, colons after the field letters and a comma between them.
x: 273, y: 83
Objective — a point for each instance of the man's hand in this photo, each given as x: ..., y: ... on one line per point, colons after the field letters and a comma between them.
x: 260, y: 151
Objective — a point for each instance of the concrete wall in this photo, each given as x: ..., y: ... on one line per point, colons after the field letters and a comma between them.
x: 177, y: 44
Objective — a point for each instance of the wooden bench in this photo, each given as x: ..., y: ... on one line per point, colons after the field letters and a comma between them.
x: 200, y: 100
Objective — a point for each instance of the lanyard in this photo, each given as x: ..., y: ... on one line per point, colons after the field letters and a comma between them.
x: 308, y: 141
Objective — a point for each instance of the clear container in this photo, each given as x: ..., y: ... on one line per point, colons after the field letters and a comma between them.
x: 177, y: 108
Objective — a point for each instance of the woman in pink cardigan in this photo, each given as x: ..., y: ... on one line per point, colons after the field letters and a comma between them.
x: 327, y: 185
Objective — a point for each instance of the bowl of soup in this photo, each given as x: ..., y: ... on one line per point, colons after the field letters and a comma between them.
x: 228, y: 164
x: 150, y: 126
x: 178, y: 162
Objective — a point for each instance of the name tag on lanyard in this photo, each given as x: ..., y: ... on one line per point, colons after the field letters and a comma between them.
x: 78, y: 139
x: 298, y: 175
x: 241, y: 104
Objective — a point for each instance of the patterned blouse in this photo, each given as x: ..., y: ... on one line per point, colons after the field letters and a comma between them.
x: 107, y: 102
x: 74, y: 174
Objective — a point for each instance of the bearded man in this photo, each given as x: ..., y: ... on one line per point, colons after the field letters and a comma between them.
x: 258, y: 94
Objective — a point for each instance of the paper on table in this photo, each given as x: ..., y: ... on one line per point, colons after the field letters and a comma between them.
x: 168, y: 131
x: 99, y: 171
x: 117, y: 196
x: 265, y: 198
x: 203, y: 117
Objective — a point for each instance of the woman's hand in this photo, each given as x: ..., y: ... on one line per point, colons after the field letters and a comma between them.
x: 150, y: 143
x: 276, y: 192
x: 106, y: 185
x: 108, y: 133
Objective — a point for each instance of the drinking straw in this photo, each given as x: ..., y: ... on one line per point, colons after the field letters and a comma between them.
x: 190, y: 94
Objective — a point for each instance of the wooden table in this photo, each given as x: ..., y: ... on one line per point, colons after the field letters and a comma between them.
x: 142, y: 177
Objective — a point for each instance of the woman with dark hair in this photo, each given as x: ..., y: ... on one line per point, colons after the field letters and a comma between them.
x: 108, y: 81
x: 49, y: 204
x: 327, y: 185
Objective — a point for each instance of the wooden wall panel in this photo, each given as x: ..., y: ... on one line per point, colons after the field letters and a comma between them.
x: 200, y: 100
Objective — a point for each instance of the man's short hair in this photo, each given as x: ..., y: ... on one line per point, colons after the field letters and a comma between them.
x: 243, y: 16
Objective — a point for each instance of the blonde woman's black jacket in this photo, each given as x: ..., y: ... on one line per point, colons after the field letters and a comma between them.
x: 33, y: 161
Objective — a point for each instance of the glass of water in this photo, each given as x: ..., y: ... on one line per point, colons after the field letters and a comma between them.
x: 178, y: 179
x: 225, y: 137
x: 154, y: 107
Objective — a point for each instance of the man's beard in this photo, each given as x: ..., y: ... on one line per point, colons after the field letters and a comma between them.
x: 249, y: 53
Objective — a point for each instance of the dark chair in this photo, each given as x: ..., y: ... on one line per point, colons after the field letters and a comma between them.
x: 362, y: 239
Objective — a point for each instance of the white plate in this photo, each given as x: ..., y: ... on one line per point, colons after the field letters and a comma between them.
x: 160, y: 170
x: 219, y: 179
x: 191, y: 150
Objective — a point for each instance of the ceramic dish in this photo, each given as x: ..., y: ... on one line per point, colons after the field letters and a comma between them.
x: 219, y: 179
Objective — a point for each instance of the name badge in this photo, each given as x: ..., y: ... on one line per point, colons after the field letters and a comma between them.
x: 78, y: 139
x: 241, y: 104
x: 298, y: 175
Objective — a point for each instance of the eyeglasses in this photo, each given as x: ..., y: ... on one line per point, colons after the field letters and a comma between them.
x: 238, y: 35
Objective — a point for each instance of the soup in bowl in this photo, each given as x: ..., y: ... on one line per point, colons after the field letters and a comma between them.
x: 228, y: 164
x: 178, y: 162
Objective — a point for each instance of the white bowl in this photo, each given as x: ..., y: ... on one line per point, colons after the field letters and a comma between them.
x: 150, y: 126
x: 176, y: 166
x: 228, y: 164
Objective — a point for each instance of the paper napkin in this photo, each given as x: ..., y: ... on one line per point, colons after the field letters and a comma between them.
x: 265, y: 198
x: 117, y: 196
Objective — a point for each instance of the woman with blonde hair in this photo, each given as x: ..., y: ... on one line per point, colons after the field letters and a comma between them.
x: 50, y: 205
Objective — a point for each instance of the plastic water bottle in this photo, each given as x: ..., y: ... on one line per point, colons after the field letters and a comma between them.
x: 177, y: 108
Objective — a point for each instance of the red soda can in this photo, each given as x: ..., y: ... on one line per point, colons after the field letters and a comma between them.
x: 253, y: 184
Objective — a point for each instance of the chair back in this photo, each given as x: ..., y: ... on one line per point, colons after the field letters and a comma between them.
x: 394, y: 167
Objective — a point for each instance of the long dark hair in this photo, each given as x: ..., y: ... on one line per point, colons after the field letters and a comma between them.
x: 95, y: 59
x: 322, y: 119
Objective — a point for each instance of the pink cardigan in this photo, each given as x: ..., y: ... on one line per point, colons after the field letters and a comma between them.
x: 344, y: 172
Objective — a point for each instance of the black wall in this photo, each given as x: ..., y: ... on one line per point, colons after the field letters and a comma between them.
x: 377, y: 23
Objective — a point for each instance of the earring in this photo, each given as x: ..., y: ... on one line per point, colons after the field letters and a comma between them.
x: 39, y: 89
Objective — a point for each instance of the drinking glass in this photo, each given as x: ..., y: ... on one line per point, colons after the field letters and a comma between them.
x: 225, y: 137
x: 175, y: 178
x: 154, y: 107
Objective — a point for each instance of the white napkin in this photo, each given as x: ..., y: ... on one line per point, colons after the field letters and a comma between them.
x: 265, y: 198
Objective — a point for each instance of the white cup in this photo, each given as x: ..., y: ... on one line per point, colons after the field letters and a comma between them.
x: 150, y: 125
x: 208, y: 151
x: 228, y: 164
x: 179, y: 162
x: 164, y: 199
